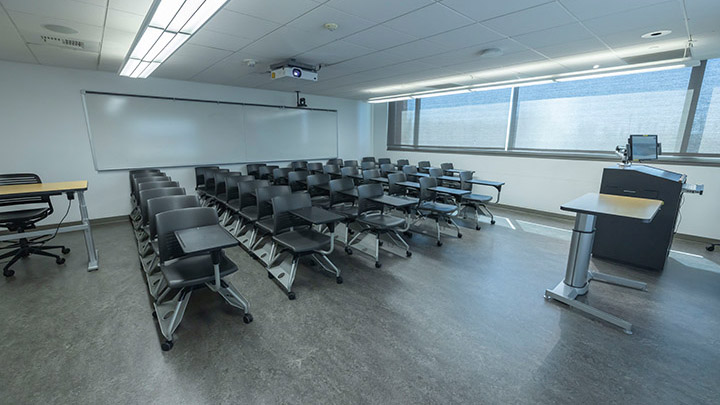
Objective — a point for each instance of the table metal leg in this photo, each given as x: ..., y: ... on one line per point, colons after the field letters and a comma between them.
x: 89, y: 242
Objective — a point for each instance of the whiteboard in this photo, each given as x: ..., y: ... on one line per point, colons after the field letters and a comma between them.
x: 127, y: 131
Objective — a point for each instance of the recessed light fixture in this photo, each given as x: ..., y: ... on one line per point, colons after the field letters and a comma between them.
x: 596, y: 66
x: 60, y: 29
x: 330, y: 26
x: 490, y: 53
x: 656, y: 34
x: 168, y: 25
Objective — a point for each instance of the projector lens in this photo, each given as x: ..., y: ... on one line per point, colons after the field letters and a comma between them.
x: 297, y: 72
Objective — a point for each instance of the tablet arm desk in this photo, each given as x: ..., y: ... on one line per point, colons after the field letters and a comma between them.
x: 577, y: 274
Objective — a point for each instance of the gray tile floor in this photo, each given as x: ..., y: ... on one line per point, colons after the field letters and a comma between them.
x: 463, y: 323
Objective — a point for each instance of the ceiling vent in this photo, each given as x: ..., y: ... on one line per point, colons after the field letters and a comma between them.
x: 61, y: 41
x: 64, y: 42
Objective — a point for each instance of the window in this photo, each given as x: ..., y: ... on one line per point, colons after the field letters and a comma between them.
x: 599, y: 114
x: 705, y: 134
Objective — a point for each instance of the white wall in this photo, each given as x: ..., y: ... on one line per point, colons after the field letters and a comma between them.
x: 44, y: 130
x: 545, y: 184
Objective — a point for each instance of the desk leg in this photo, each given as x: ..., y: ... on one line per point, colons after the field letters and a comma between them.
x: 89, y: 243
x: 577, y: 274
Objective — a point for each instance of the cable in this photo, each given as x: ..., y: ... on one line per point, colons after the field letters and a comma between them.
x: 42, y: 242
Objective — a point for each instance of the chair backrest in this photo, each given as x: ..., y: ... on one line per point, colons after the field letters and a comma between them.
x: 315, y: 167
x: 365, y: 193
x: 315, y: 180
x: 402, y: 162
x: 386, y: 168
x: 369, y: 174
x: 157, y: 184
x: 210, y: 178
x: 22, y: 178
x: 200, y: 174
x: 425, y: 184
x: 384, y: 161
x: 280, y: 175
x: 331, y: 169
x: 252, y: 168
x: 464, y: 177
x: 409, y: 169
x: 367, y: 165
x: 265, y: 196
x: 170, y: 221
x: 338, y: 185
x: 161, y: 204
x: 336, y: 161
x: 393, y: 179
x: 350, y: 163
x: 369, y: 159
x: 220, y: 177
x: 246, y: 190
x: 446, y: 166
x: 137, y: 172
x: 296, y: 180
x: 349, y: 171
x: 283, y: 204
x: 299, y: 165
x: 435, y: 172
x: 146, y: 195
x: 141, y: 179
x: 424, y: 163
x: 265, y: 172
x: 231, y: 185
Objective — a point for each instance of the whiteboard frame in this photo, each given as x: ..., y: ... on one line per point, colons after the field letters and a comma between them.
x: 94, y: 154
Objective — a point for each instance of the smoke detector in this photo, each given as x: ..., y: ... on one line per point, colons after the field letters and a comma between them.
x: 250, y: 62
x: 490, y: 53
x: 330, y: 26
x: 656, y: 34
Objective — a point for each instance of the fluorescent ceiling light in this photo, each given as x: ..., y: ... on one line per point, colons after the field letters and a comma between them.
x: 168, y: 25
x: 388, y: 100
x: 490, y: 86
x: 442, y: 93
x: 619, y: 73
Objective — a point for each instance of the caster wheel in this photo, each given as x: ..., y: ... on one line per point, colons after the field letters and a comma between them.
x: 291, y: 296
x: 492, y: 222
x: 378, y: 265
x: 247, y: 318
x: 166, y: 345
x: 270, y: 276
x: 154, y: 314
x: 348, y: 251
x: 408, y: 254
x: 65, y: 250
x: 459, y: 236
x: 380, y: 243
x: 339, y: 280
x: 439, y: 243
x: 477, y: 228
x: 710, y: 248
x: 8, y: 273
x: 60, y: 260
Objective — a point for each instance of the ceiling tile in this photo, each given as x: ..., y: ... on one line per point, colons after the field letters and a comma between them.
x: 485, y: 10
x: 379, y: 37
x: 555, y: 36
x: 115, y: 46
x: 190, y: 60
x: 415, y: 50
x: 572, y: 48
x: 463, y: 37
x: 334, y: 52
x: 659, y: 17
x: 278, y: 11
x: 240, y: 25
x: 30, y: 26
x: 587, y: 9
x: 314, y: 20
x: 12, y: 46
x: 428, y: 21
x: 123, y: 21
x: 60, y: 9
x: 219, y: 40
x: 530, y: 20
x: 378, y: 10
x: 55, y: 56
x: 472, y: 53
x: 231, y: 68
x: 140, y: 7
x: 286, y: 42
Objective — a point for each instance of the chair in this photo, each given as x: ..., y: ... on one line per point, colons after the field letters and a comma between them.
x: 384, y: 161
x: 429, y: 207
x: 368, y: 159
x: 435, y: 172
x: 315, y: 167
x: 280, y: 175
x: 393, y: 187
x: 135, y: 200
x: 141, y: 232
x: 343, y: 204
x: 144, y: 173
x: 370, y: 174
x: 336, y: 161
x: 410, y: 172
x: 349, y: 171
x: 19, y: 221
x: 299, y: 165
x: 371, y: 215
x: 318, y: 186
x: 253, y: 169
x: 265, y: 172
x: 350, y: 163
x: 297, y: 180
x: 247, y: 210
x: 423, y: 166
x: 296, y: 237
x: 332, y: 170
x: 386, y: 168
x: 232, y: 196
x: 185, y: 274
x: 475, y: 201
x: 445, y: 167
x: 200, y: 175
x: 402, y: 163
x: 264, y: 225
x: 367, y: 165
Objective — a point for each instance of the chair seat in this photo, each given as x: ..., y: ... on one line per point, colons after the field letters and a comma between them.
x: 437, y: 207
x: 476, y: 198
x: 381, y: 221
x: 195, y: 270
x: 303, y: 240
x: 267, y: 225
x: 250, y: 213
x: 321, y: 201
x: 221, y: 197
x: 234, y: 204
x: 23, y: 215
x: 347, y: 211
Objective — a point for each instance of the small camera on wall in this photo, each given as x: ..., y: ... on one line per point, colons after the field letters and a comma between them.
x: 300, y: 100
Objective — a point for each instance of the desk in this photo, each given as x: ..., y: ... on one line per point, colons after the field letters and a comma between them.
x: 318, y: 216
x: 395, y: 202
x: 454, y: 171
x: 409, y: 184
x: 455, y: 192
x: 577, y: 273
x: 52, y: 189
x: 206, y: 239
x: 380, y: 180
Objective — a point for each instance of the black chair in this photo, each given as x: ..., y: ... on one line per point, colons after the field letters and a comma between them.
x: 350, y: 163
x: 435, y: 172
x: 144, y: 173
x: 147, y: 184
x: 430, y: 207
x: 21, y: 220
x: 247, y: 211
x: 232, y: 197
x: 371, y: 215
x: 210, y: 188
x: 370, y: 174
x: 297, y: 180
x: 393, y: 187
x: 402, y: 163
x: 200, y: 176
x: 187, y: 273
x: 299, y: 165
x: 280, y: 175
x: 474, y: 201
x: 368, y: 159
x: 349, y: 171
x: 367, y: 165
x: 253, y: 169
x: 423, y: 166
x: 141, y: 230
x: 265, y: 172
x: 264, y: 225
x: 135, y: 213
x: 332, y: 170
x: 296, y: 237
x: 386, y: 168
x: 342, y: 203
x: 315, y: 167
x: 445, y: 167
x: 384, y: 161
x: 318, y: 186
x: 410, y: 172
x: 336, y: 161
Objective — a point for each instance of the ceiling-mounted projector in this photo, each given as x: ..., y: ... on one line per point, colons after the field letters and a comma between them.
x: 294, y: 70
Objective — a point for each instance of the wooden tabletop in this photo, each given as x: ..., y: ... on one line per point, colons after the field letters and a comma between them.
x: 43, y: 188
x: 614, y: 205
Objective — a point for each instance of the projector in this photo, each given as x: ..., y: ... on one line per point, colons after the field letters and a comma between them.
x: 294, y: 70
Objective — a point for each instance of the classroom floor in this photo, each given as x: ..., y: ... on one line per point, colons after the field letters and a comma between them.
x: 461, y: 323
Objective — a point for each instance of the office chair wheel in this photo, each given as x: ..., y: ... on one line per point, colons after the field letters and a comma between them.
x: 439, y: 243
x: 459, y: 235
x: 270, y: 276
x: 339, y: 280
x: 8, y: 273
x: 247, y: 318
x: 408, y: 253
x: 166, y: 345
x: 378, y: 265
x: 291, y: 295
x: 492, y: 222
x: 65, y: 250
x: 477, y: 227
x: 710, y: 248
x: 60, y: 260
x: 348, y: 251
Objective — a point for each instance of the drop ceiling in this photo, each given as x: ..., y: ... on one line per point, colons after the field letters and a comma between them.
x: 380, y: 47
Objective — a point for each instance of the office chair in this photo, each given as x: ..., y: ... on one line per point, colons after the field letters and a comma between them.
x: 280, y: 175
x: 200, y: 176
x: 402, y: 163
x: 141, y: 230
x: 252, y: 169
x: 336, y: 161
x: 429, y: 207
x: 297, y: 180
x: 333, y: 170
x: 368, y: 165
x: 350, y: 163
x: 384, y: 161
x: 315, y: 167
x: 445, y: 167
x: 368, y: 159
x: 299, y: 165
x: 21, y: 220
x: 318, y: 187
x: 264, y: 225
x: 475, y: 201
x: 371, y: 215
x: 386, y: 168
x: 370, y: 174
x: 343, y: 204
x: 246, y: 210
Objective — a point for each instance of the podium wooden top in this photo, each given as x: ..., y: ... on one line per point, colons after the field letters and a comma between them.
x: 42, y: 188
